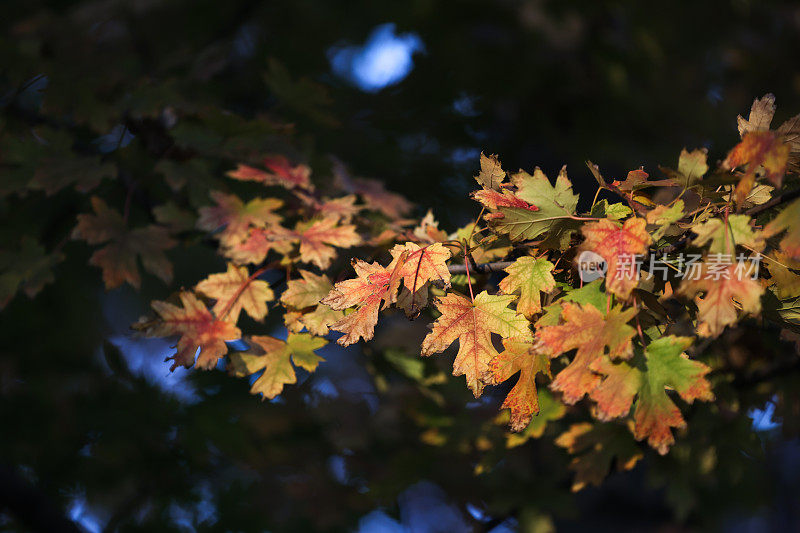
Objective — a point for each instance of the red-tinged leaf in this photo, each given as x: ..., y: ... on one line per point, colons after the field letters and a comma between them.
x: 342, y: 209
x: 197, y: 328
x: 275, y: 358
x: 496, y: 199
x: 318, y: 240
x: 635, y: 180
x: 254, y: 247
x: 597, y: 447
x: 473, y: 324
x: 594, y: 336
x: 236, y: 217
x: 372, y: 286
x: 279, y: 172
x: 287, y: 175
x: 666, y: 367
x: 787, y: 220
x: 528, y: 276
x: 763, y: 148
x: 619, y: 246
x: 721, y: 285
x: 235, y: 290
x: 519, y: 357
x: 119, y: 257
x: 420, y: 265
x: 374, y: 194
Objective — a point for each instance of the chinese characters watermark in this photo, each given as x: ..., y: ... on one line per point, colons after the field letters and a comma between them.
x: 592, y: 266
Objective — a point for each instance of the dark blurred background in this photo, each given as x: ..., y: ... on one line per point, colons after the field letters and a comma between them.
x: 114, y: 96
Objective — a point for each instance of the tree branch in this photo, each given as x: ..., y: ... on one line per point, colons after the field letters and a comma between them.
x: 482, y: 268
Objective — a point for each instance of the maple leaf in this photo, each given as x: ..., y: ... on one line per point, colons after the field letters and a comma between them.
x: 118, y: 258
x: 428, y: 229
x: 555, y: 209
x: 666, y: 366
x: 319, y: 238
x: 281, y: 172
x: 373, y: 286
x: 598, y: 445
x: 693, y: 165
x: 235, y: 290
x: 275, y: 358
x: 373, y: 193
x: 419, y: 265
x: 236, y: 217
x: 28, y: 268
x: 496, y: 199
x: 785, y: 283
x: 528, y: 276
x: 618, y: 246
x: 634, y: 180
x: 519, y: 356
x: 763, y: 148
x: 342, y: 209
x: 472, y: 324
x: 664, y: 216
x: 307, y: 293
x: 725, y: 235
x: 594, y: 336
x: 197, y: 328
x: 492, y: 173
x: 721, y: 285
x: 550, y: 408
x: 617, y: 211
x: 761, y: 113
x: 787, y: 221
x: 257, y: 243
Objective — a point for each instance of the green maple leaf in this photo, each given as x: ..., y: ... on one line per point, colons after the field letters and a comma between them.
x: 725, y: 236
x: 528, y: 276
x: 655, y: 414
x: 275, y: 358
x: 556, y: 205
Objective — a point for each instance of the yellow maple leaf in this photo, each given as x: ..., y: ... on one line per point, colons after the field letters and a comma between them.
x: 235, y: 290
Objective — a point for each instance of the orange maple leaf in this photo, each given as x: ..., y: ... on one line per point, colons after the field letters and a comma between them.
x: 619, y: 246
x: 472, y: 324
x: 197, y: 328
x: 342, y: 209
x: 593, y: 335
x: 758, y: 148
x: 118, y: 258
x: 523, y: 399
x: 319, y: 238
x: 373, y: 284
x: 721, y: 285
x: 256, y: 244
x: 235, y: 290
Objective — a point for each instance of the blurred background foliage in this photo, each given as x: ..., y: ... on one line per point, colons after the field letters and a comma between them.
x: 148, y: 102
